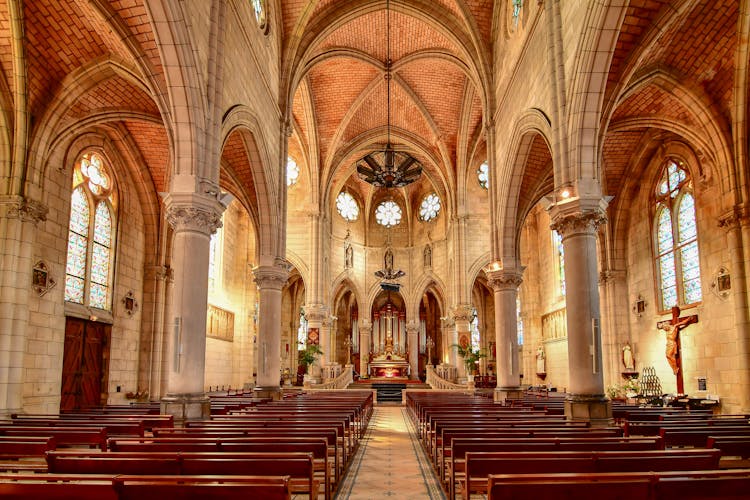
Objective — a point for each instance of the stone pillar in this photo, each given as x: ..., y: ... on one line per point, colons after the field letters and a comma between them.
x: 615, y: 327
x: 577, y: 222
x: 193, y: 218
x: 365, y: 334
x: 505, y: 283
x: 153, y: 332
x: 462, y: 315
x: 733, y: 223
x: 18, y: 220
x: 317, y: 319
x: 270, y: 281
x: 412, y: 336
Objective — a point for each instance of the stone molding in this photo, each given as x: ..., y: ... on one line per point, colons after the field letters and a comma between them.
x: 611, y: 276
x: 270, y: 277
x: 463, y: 312
x: 25, y: 209
x: 579, y: 222
x: 504, y: 279
x: 159, y: 273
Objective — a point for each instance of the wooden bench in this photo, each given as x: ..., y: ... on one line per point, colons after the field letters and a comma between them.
x: 662, y: 485
x: 202, y: 487
x: 114, y: 427
x: 64, y: 436
x: 698, y: 436
x: 318, y: 446
x: 25, y: 453
x: 479, y: 466
x: 298, y: 466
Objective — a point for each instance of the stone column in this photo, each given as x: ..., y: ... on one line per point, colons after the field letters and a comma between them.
x: 577, y: 222
x: 733, y: 224
x: 19, y: 218
x: 270, y: 281
x: 462, y: 315
x: 193, y: 218
x: 317, y: 320
x: 505, y: 283
x: 365, y: 334
x: 153, y: 351
x: 412, y: 336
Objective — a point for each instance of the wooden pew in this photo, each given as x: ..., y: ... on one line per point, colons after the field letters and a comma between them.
x: 480, y: 465
x: 663, y: 485
x: 318, y: 446
x: 57, y: 487
x: 298, y: 466
x: 698, y: 436
x: 201, y: 487
x: 64, y: 436
x: 149, y: 421
x: 114, y: 427
x: 25, y: 453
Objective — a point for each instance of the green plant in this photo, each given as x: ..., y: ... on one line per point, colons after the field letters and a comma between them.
x: 309, y: 354
x: 470, y: 356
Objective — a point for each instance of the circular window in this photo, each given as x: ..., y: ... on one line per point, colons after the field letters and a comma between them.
x: 388, y: 214
x: 292, y: 171
x: 483, y: 174
x: 347, y: 206
x: 430, y: 207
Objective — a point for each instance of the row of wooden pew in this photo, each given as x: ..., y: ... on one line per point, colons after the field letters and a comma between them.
x: 295, y: 446
x: 477, y: 446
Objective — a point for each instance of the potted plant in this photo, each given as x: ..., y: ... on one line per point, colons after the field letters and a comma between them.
x: 471, y: 357
x: 308, y: 355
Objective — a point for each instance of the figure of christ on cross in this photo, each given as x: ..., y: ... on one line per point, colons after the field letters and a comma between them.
x: 672, y: 328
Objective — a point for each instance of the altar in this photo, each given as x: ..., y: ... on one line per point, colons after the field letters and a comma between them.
x: 389, y: 368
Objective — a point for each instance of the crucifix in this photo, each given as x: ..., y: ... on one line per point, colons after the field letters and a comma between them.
x: 672, y: 328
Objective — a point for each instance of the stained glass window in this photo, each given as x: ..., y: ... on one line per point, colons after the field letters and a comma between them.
x: 212, y: 251
x: 676, y: 238
x: 519, y: 320
x: 292, y: 171
x: 388, y: 214
x: 430, y: 207
x: 88, y: 270
x: 259, y: 7
x: 517, y: 6
x: 474, y: 326
x: 559, y: 253
x: 483, y: 174
x: 347, y: 206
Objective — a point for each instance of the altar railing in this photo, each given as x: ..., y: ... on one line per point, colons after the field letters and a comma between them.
x: 437, y: 382
x: 340, y: 382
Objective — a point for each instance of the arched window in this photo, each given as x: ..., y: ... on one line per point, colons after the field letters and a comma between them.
x: 302, y: 331
x: 474, y: 326
x: 519, y: 320
x: 215, y: 250
x: 91, y: 234
x: 559, y: 260
x: 676, y: 238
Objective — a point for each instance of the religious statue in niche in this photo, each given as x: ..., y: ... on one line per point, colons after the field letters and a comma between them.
x: 672, y: 328
x: 41, y: 281
x: 348, y: 252
x: 541, y: 362
x: 388, y: 260
x: 627, y: 358
x: 427, y: 254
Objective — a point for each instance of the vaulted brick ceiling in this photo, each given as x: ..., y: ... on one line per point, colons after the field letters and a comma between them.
x: 340, y: 108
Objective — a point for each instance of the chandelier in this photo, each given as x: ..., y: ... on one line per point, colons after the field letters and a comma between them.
x: 387, y: 167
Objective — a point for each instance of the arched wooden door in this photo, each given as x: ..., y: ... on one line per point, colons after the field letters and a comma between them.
x: 85, y: 364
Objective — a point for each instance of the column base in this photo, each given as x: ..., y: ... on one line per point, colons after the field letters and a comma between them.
x: 502, y: 394
x: 184, y: 407
x: 596, y: 409
x: 272, y: 392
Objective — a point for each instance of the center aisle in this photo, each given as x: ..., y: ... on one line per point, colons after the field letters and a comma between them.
x: 390, y: 461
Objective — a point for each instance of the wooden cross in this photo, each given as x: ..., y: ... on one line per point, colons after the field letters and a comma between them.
x: 672, y: 328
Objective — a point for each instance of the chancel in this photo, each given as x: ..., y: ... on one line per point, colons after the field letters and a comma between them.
x: 341, y: 239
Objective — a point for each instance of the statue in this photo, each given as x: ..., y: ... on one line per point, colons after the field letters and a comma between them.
x: 427, y: 256
x: 388, y: 260
x: 540, y: 360
x: 627, y: 358
x: 348, y: 252
x: 672, y: 328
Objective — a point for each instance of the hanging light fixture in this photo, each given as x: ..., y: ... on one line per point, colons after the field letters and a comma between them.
x: 387, y: 167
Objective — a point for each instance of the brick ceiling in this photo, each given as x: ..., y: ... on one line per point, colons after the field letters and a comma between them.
x: 339, y: 106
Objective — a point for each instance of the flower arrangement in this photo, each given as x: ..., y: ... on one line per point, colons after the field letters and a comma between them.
x: 470, y: 356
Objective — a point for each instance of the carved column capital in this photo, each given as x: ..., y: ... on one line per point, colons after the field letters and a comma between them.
x: 193, y: 212
x: 270, y: 277
x: 159, y: 273
x: 463, y: 312
x: 611, y: 276
x: 412, y: 327
x: 737, y: 217
x: 24, y: 209
x: 579, y: 222
x: 505, y: 279
x: 316, y: 313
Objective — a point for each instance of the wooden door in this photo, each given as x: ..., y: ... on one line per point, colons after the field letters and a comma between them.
x: 85, y: 364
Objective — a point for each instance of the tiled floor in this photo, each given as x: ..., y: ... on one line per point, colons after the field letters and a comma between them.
x: 390, y: 462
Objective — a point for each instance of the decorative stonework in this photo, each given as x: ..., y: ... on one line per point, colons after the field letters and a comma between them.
x: 159, y: 273
x: 734, y: 219
x: 463, y: 312
x: 611, y: 276
x: 504, y: 279
x: 193, y: 219
x: 25, y: 209
x: 579, y: 222
x: 270, y: 277
x: 316, y: 313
